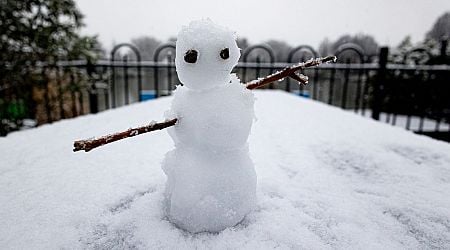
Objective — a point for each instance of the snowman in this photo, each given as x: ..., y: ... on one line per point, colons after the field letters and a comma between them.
x: 211, y: 180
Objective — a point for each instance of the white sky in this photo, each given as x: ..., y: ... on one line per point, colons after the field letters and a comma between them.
x: 294, y: 21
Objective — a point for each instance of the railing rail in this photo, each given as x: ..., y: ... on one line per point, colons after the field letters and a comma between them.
x: 261, y: 65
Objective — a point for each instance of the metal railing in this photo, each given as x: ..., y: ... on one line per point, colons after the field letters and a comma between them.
x: 409, y: 95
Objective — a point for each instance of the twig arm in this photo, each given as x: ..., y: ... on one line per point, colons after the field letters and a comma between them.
x: 290, y: 72
x: 89, y: 144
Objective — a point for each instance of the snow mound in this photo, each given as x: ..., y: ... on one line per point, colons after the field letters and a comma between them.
x: 326, y: 179
x: 211, y: 180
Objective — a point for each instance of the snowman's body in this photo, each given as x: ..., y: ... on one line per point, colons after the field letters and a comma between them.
x: 211, y: 180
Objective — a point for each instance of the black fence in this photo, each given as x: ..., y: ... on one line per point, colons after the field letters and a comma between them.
x: 411, y: 90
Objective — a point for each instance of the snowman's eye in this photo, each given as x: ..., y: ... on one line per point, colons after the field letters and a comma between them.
x: 225, y: 54
x: 191, y: 56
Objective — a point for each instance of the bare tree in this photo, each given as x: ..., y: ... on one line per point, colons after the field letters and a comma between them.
x: 242, y: 43
x: 441, y: 28
x: 325, y: 47
x: 146, y: 46
x: 366, y: 42
x: 280, y: 48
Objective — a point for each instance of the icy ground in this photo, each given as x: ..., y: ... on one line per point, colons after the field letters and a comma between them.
x: 326, y: 179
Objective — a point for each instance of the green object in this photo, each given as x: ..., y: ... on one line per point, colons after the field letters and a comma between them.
x: 16, y: 109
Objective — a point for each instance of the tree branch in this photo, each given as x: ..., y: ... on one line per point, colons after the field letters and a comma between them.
x: 89, y: 144
x: 289, y: 72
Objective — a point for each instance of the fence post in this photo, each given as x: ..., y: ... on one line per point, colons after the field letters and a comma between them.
x: 379, y: 83
x: 93, y: 100
x: 443, y: 55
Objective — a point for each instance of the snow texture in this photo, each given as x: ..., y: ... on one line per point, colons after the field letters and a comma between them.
x: 208, y: 39
x: 211, y: 180
x: 327, y: 179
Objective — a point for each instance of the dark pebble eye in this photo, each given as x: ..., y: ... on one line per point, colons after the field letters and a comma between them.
x: 225, y: 53
x: 191, y: 56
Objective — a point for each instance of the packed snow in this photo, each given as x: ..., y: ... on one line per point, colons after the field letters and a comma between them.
x: 206, y: 41
x: 327, y: 178
x: 211, y: 180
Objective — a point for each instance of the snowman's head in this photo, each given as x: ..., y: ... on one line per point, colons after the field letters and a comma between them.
x: 205, y: 55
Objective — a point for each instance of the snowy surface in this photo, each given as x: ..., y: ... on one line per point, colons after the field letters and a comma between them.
x: 326, y: 179
x: 414, y: 122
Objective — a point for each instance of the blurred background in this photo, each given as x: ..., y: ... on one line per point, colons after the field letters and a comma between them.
x: 65, y: 58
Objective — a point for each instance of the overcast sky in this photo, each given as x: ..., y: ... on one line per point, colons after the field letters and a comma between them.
x: 295, y: 21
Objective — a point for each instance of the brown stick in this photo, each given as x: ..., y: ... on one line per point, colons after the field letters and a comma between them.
x: 89, y: 144
x: 290, y: 72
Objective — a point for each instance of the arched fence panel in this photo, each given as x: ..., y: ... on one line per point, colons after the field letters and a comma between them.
x: 255, y: 63
x: 169, y: 58
x: 125, y: 66
x: 303, y: 53
x: 349, y: 80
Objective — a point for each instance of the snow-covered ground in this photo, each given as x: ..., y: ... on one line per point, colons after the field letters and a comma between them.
x: 327, y: 178
x: 428, y: 124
